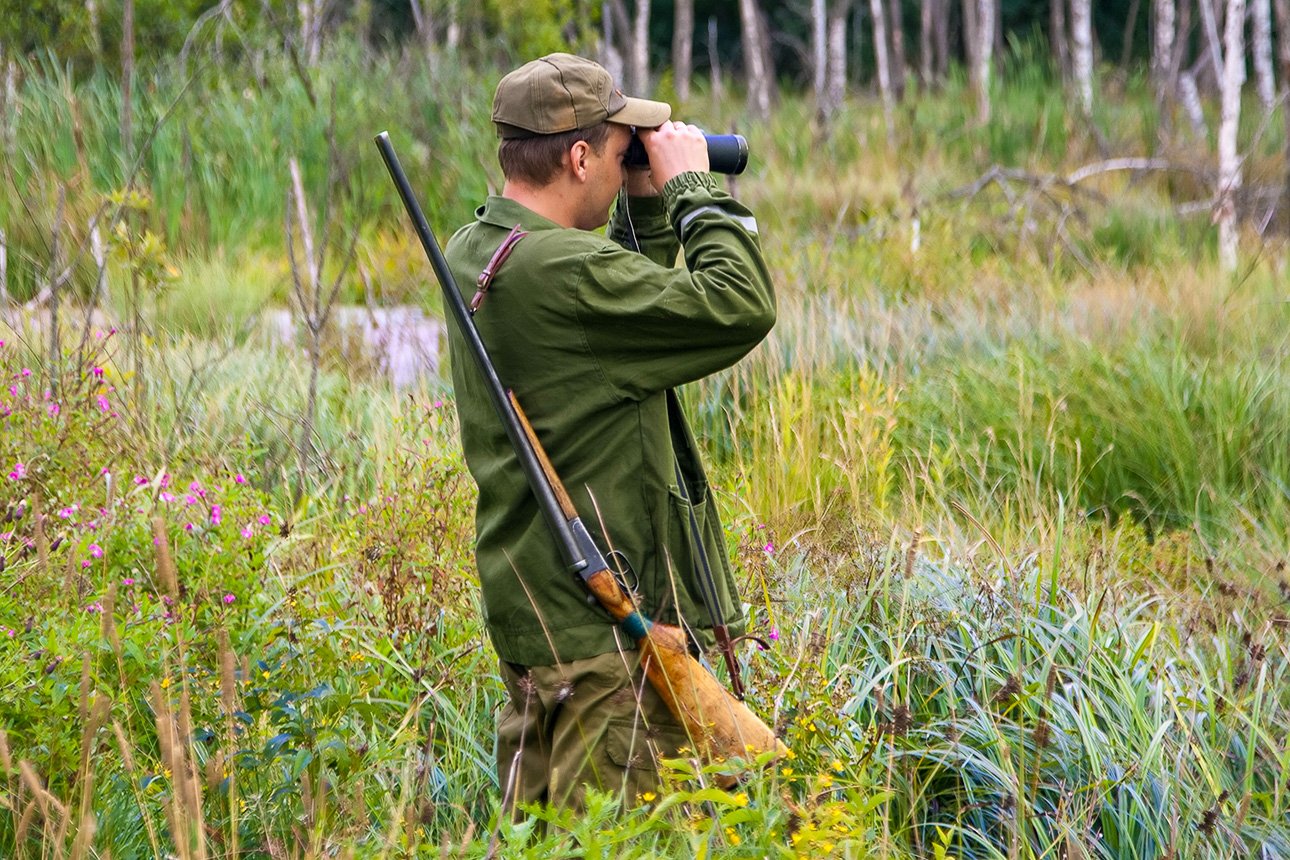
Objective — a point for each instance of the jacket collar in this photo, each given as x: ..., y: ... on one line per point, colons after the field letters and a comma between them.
x: 506, y: 213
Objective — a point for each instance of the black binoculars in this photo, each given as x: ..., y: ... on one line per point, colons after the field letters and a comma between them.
x: 727, y: 153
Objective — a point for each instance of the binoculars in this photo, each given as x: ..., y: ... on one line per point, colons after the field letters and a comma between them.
x: 727, y: 153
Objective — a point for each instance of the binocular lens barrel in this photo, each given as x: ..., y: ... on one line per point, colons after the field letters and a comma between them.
x: 727, y: 153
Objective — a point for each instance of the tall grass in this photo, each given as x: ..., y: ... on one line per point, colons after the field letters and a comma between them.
x: 1009, y: 503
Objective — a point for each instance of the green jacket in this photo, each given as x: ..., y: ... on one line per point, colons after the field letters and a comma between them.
x: 592, y: 338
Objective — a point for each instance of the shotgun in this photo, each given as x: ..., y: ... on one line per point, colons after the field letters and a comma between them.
x: 719, y: 725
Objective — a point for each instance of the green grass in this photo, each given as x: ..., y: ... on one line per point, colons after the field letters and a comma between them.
x: 1008, y: 502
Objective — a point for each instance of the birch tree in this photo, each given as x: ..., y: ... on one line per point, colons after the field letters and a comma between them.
x: 837, y: 25
x: 1057, y: 37
x: 883, y: 63
x: 1229, y: 164
x: 926, y: 21
x: 896, y: 27
x: 978, y: 19
x: 683, y: 47
x: 1082, y: 52
x: 819, y: 53
x: 1162, y: 46
x: 638, y: 51
x: 1261, y: 45
x: 756, y: 57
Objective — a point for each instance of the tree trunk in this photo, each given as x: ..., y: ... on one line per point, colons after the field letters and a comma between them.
x: 422, y: 23
x: 612, y: 58
x: 926, y: 20
x: 127, y: 82
x: 882, y: 62
x: 1189, y: 95
x: 1262, y: 48
x: 638, y: 63
x: 1283, y: 56
x: 837, y: 85
x: 683, y: 48
x: 92, y: 21
x: 1057, y: 37
x: 1210, y: 26
x: 1162, y: 47
x: 755, y: 68
x: 978, y: 17
x: 895, y: 21
x: 714, y: 61
x: 819, y: 55
x: 1229, y: 163
x: 942, y: 41
x: 1130, y: 27
x: 1082, y: 53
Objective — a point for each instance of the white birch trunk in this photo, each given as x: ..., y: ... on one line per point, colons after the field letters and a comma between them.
x: 420, y: 22
x: 883, y: 62
x: 927, y: 21
x: 1210, y: 27
x: 96, y: 40
x: 611, y: 58
x: 1189, y: 95
x: 1262, y: 48
x: 819, y: 53
x: 898, y: 63
x: 1082, y: 52
x: 1162, y: 53
x: 754, y: 59
x: 1229, y: 162
x: 640, y: 50
x: 837, y: 86
x: 683, y: 48
x: 452, y: 38
x: 985, y: 17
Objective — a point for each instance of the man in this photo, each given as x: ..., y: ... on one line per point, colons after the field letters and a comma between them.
x: 593, y: 337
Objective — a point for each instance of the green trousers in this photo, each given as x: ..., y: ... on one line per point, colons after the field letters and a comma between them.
x: 594, y: 722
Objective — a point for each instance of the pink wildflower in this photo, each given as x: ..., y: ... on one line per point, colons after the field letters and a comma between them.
x: 18, y: 472
x: 773, y: 635
x: 166, y: 497
x: 196, y: 488
x: 768, y: 548
x: 265, y: 519
x: 238, y: 479
x: 128, y: 581
x: 96, y: 550
x: 190, y: 499
x: 54, y: 410
x: 26, y: 371
x: 97, y: 372
x: 104, y: 406
x: 247, y: 531
x: 228, y: 598
x: 165, y: 481
x: 140, y: 480
x: 217, y: 514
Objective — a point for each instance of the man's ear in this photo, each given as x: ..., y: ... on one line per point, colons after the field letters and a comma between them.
x: 578, y: 158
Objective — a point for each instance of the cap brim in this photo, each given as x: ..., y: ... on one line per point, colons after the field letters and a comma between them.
x: 642, y: 113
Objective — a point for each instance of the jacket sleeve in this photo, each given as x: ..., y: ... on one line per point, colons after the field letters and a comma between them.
x: 640, y: 224
x: 650, y: 327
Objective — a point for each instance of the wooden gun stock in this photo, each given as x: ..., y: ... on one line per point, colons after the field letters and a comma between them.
x: 720, y: 726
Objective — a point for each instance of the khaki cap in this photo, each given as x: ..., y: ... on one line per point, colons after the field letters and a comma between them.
x: 562, y: 92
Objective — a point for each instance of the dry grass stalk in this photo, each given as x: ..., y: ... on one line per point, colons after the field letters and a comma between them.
x: 6, y: 758
x: 227, y: 676
x: 84, y: 836
x: 165, y: 563
x: 109, y: 631
x: 83, y: 705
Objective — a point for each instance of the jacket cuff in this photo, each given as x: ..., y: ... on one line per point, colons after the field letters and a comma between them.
x: 683, y: 183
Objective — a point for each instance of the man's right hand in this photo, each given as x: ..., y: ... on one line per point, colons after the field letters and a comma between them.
x: 674, y: 148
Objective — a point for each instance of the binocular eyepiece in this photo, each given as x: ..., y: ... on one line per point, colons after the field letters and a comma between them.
x: 727, y: 153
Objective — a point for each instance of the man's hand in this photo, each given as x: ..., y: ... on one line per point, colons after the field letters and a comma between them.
x: 673, y: 149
